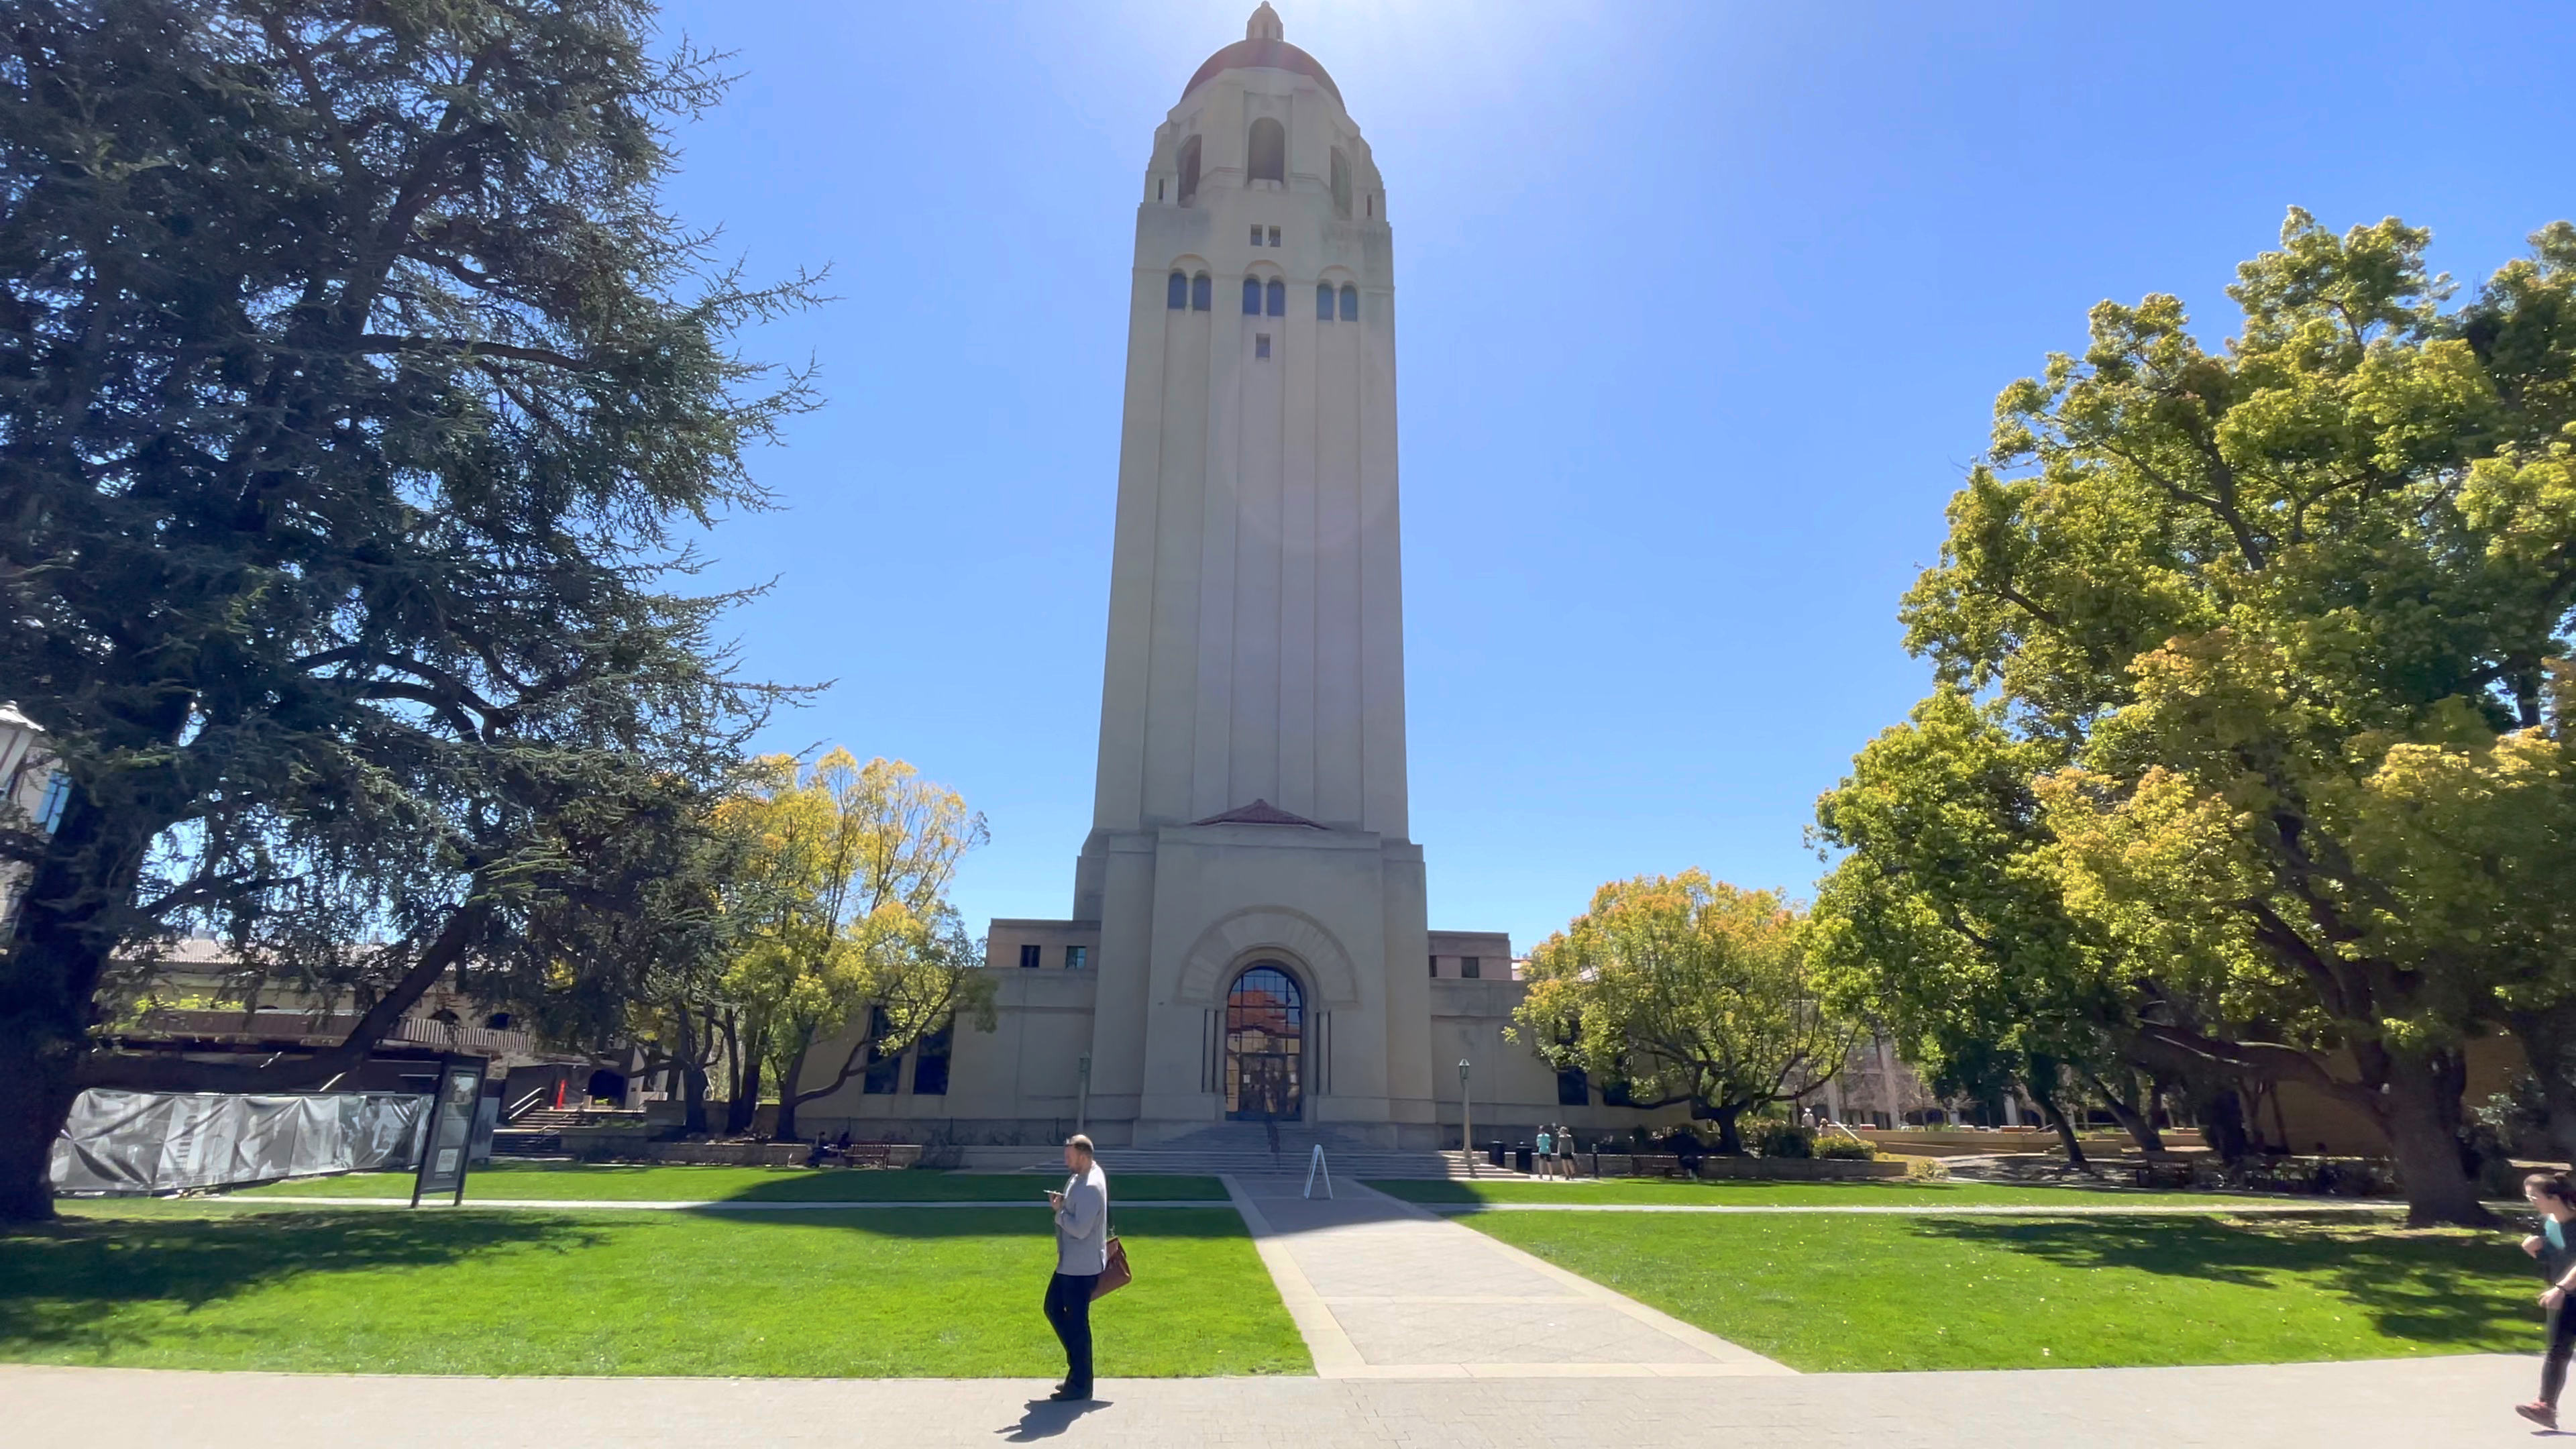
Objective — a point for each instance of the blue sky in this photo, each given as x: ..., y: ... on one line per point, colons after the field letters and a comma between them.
x: 1702, y: 309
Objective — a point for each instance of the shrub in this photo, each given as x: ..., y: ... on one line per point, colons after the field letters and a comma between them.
x: 1843, y: 1149
x: 1927, y: 1169
x: 1783, y: 1139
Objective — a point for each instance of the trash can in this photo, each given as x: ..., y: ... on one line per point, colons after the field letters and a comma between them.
x: 1494, y: 1152
x: 1521, y: 1158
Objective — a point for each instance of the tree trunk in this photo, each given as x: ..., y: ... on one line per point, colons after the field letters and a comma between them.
x: 2044, y: 1071
x: 744, y: 1110
x: 2546, y: 1038
x: 2139, y: 1125
x: 2423, y: 1128
x: 48, y: 981
x: 2220, y: 1114
x: 1730, y: 1137
x: 787, y: 1083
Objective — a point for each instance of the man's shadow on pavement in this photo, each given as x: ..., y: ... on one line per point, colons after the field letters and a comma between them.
x: 1047, y: 1418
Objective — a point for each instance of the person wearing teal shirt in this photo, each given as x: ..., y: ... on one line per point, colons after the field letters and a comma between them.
x: 2554, y: 1193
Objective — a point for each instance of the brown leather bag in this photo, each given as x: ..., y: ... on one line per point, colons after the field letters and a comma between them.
x: 1114, y: 1273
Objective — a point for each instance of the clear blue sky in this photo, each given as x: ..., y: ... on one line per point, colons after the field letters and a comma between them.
x: 1702, y: 308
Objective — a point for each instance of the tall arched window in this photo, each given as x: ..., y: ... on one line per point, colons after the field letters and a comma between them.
x: 1189, y: 170
x: 1265, y: 1041
x: 1278, y: 297
x: 1341, y: 184
x: 1350, y: 303
x: 1177, y: 295
x: 1323, y: 301
x: 1202, y: 293
x: 1252, y: 296
x: 1268, y: 157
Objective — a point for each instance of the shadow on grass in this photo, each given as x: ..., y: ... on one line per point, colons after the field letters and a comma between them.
x: 2437, y: 1287
x: 60, y: 1282
x: 983, y: 1220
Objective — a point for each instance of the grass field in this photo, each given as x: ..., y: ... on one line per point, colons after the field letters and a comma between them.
x: 1825, y: 1293
x: 898, y: 1293
x: 605, y: 1182
x: 1679, y: 1192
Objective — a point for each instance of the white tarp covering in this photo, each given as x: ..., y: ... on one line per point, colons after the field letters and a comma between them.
x: 133, y: 1142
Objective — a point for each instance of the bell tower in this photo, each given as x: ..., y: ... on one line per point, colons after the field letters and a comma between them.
x: 1249, y: 814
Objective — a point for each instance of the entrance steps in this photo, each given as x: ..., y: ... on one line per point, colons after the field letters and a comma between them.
x: 1233, y: 1147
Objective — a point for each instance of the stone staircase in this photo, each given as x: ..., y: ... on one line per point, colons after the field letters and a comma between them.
x: 1233, y: 1147
x: 537, y: 1132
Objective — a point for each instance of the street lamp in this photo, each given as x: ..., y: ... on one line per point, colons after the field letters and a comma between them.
x: 1466, y: 1122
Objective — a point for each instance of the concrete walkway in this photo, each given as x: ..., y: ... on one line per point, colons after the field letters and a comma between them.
x: 2447, y: 1403
x: 703, y: 1205
x: 1382, y: 1289
x: 1932, y: 1209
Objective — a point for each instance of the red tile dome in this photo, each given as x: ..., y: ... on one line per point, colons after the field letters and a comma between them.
x: 1262, y: 48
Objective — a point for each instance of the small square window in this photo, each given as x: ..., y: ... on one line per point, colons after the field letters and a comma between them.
x: 1074, y: 956
x: 1471, y: 967
x: 1261, y: 344
x: 1256, y: 236
x: 1028, y: 958
x: 1274, y: 236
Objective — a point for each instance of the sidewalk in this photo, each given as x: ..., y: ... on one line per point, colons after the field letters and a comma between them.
x: 2446, y: 1403
x: 1382, y: 1289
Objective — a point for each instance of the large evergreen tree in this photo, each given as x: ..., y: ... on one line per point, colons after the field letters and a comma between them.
x: 357, y: 403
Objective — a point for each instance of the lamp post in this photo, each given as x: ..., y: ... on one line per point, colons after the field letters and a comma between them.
x: 1082, y: 1095
x: 1466, y: 1121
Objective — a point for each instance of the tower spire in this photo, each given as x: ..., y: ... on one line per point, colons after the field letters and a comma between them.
x: 1264, y: 24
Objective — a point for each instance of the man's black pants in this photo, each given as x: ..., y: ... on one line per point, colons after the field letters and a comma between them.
x: 1068, y: 1312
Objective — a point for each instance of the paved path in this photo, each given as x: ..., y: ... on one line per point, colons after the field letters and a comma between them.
x: 1929, y: 1209
x: 2449, y: 1403
x: 707, y: 1205
x: 1384, y: 1290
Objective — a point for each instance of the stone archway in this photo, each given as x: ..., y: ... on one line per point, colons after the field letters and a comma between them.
x: 1225, y: 948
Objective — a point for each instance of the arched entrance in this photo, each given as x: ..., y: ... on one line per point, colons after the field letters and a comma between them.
x: 1265, y: 1043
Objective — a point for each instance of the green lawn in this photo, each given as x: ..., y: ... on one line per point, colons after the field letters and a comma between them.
x: 1679, y: 1192
x: 1825, y: 1293
x: 603, y: 1182
x: 899, y: 1293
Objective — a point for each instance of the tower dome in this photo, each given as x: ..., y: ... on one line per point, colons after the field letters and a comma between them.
x: 1262, y: 48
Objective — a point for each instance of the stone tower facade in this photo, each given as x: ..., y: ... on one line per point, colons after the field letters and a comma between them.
x: 1250, y: 805
x: 1247, y: 938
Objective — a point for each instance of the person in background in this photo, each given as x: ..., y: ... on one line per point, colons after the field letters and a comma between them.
x: 1081, y: 1254
x: 2555, y: 1246
x: 1565, y: 1152
x: 1546, y: 1145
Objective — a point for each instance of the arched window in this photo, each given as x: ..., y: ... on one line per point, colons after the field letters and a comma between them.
x: 1323, y: 301
x: 1268, y: 158
x: 1202, y: 293
x: 1350, y: 303
x: 1189, y: 170
x: 1177, y: 295
x: 1278, y: 299
x: 1252, y: 296
x: 1265, y: 1039
x: 1341, y: 184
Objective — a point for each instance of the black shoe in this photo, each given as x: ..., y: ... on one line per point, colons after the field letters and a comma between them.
x: 1070, y: 1395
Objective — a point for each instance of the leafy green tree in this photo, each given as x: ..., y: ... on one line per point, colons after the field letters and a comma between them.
x: 2286, y: 612
x: 357, y: 402
x: 1690, y: 991
x: 1944, y: 922
x: 854, y: 924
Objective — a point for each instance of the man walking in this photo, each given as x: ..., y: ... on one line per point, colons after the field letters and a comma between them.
x: 1081, y: 1253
